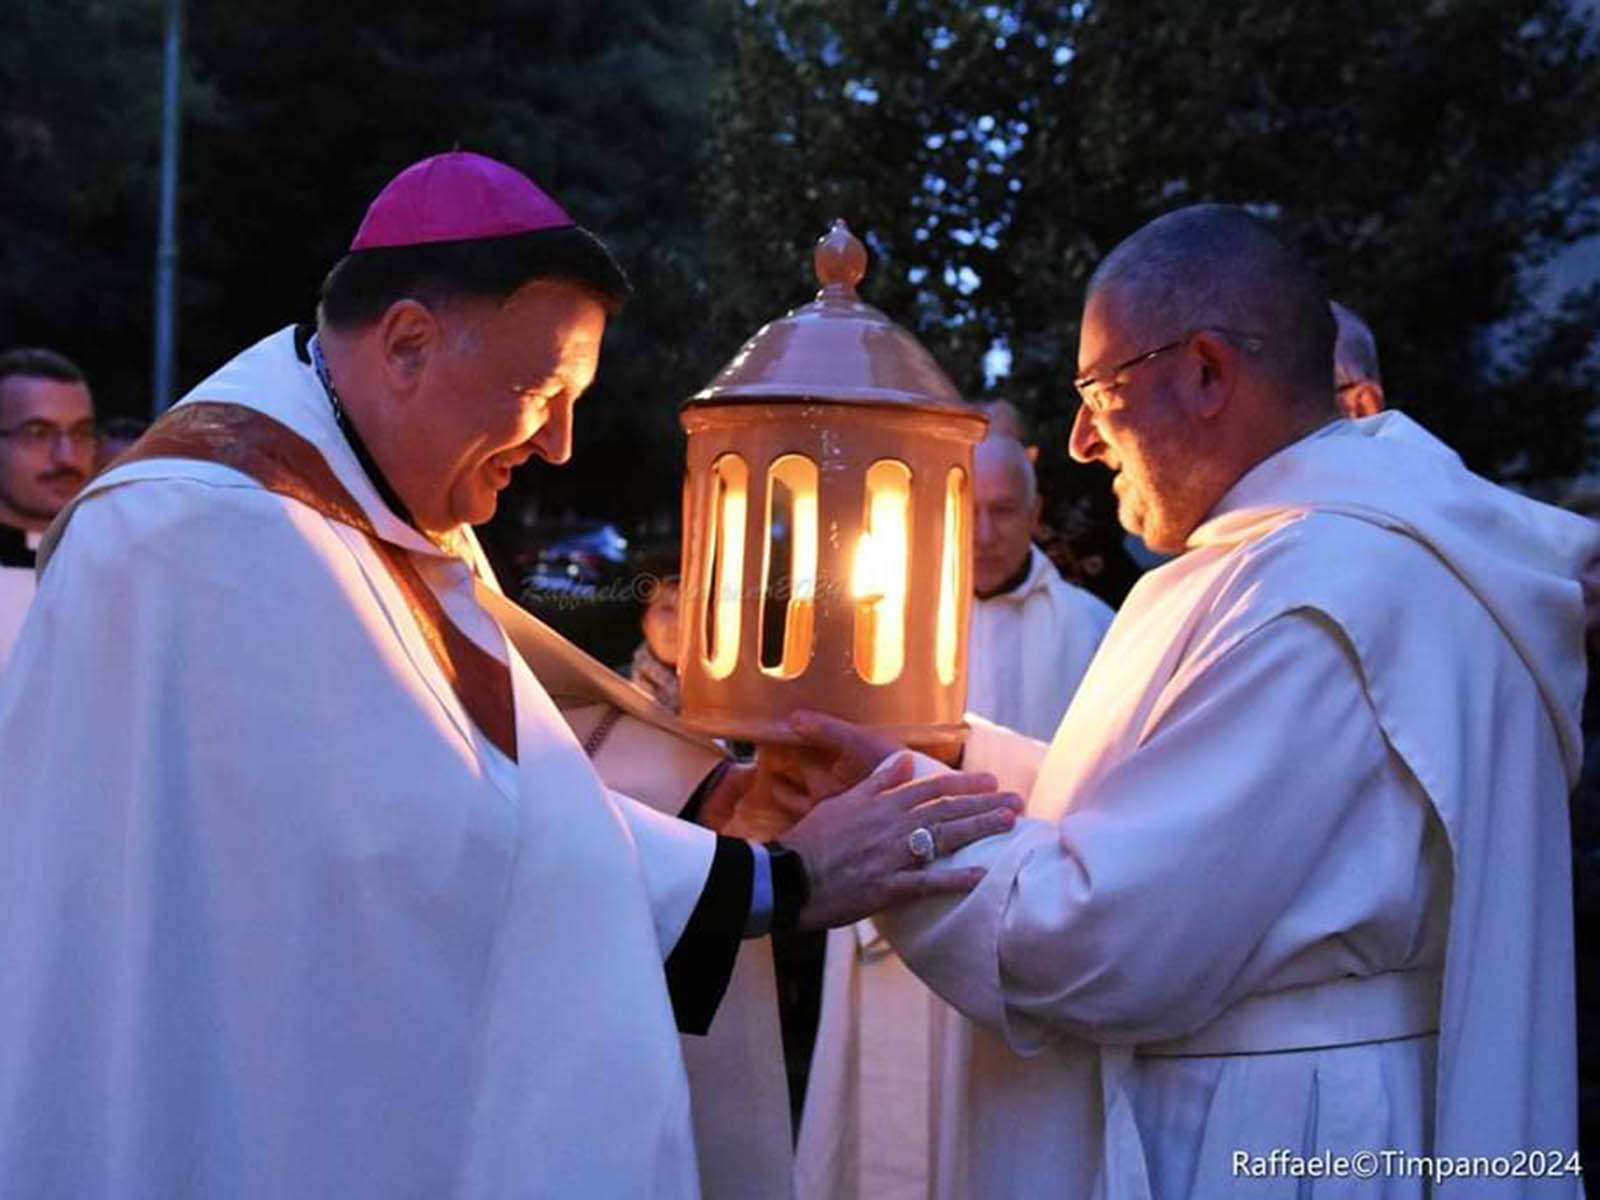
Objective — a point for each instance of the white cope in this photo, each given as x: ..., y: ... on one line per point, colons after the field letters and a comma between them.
x: 279, y: 921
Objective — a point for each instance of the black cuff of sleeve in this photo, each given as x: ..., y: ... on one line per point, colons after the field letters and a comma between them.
x: 700, y: 965
x: 791, y: 887
x: 697, y: 800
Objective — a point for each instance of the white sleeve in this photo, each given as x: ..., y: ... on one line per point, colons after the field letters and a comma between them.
x: 675, y: 859
x: 1012, y: 758
x: 653, y: 765
x: 1131, y: 918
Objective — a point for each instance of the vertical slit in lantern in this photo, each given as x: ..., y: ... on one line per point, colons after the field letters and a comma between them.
x: 789, y: 572
x: 688, y: 614
x: 947, y: 636
x: 878, y: 579
x: 722, y: 586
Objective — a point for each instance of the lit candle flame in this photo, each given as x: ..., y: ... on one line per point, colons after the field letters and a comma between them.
x: 730, y: 502
x: 867, y: 575
x: 878, y: 574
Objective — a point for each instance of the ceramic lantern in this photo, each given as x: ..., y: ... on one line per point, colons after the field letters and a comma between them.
x: 828, y: 525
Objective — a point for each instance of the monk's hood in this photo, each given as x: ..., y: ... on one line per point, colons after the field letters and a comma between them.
x: 1522, y: 560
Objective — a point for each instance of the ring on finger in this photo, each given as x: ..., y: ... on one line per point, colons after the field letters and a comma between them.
x: 923, y: 845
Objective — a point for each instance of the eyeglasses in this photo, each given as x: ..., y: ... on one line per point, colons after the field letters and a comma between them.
x: 41, y: 435
x: 1097, y: 392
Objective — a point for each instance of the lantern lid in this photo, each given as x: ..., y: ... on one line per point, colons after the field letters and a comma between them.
x: 836, y: 348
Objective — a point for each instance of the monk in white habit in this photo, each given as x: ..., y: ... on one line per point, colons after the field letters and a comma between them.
x: 310, y: 891
x: 1294, y: 879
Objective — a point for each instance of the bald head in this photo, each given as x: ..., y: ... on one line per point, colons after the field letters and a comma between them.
x: 1357, y: 381
x: 1003, y: 458
x: 1005, y: 419
x: 1005, y: 510
x: 1216, y: 266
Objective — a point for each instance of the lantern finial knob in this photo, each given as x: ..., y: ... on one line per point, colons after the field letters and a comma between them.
x: 840, y: 260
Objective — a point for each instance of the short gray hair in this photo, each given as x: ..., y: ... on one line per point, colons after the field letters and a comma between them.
x: 1215, y: 265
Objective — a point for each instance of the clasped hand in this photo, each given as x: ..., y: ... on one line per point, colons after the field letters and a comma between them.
x: 858, y: 846
x: 853, y: 825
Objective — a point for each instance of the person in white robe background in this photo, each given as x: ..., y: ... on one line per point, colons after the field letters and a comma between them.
x: 1032, y: 633
x: 310, y: 889
x: 1295, y: 873
x: 864, y: 1129
x: 737, y: 1087
x: 47, y: 446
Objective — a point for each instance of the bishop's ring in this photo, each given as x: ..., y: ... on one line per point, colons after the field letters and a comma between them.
x: 924, y: 849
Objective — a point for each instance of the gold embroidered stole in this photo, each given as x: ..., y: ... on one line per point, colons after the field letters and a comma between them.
x: 282, y: 461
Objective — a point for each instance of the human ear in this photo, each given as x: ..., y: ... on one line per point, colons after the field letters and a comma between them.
x: 407, y: 333
x: 1216, y: 366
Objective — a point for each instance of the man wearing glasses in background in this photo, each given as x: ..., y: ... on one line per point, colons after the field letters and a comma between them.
x: 47, y: 444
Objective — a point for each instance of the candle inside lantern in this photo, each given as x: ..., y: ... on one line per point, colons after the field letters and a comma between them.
x: 951, y: 583
x: 878, y: 575
x: 868, y: 594
x: 725, y: 565
x: 789, y: 572
x: 803, y: 581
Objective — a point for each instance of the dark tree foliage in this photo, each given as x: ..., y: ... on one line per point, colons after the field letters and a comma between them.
x: 605, y: 102
x: 80, y: 96
x: 1427, y: 157
x: 1423, y: 154
x: 296, y: 113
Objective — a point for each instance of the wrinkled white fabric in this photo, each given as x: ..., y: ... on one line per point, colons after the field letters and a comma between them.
x: 1028, y: 648
x: 17, y: 586
x: 737, y: 1087
x: 16, y: 594
x: 1330, y: 743
x: 882, y: 1119
x: 874, y: 1120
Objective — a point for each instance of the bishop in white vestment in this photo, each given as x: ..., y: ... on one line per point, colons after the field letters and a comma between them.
x: 311, y: 891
